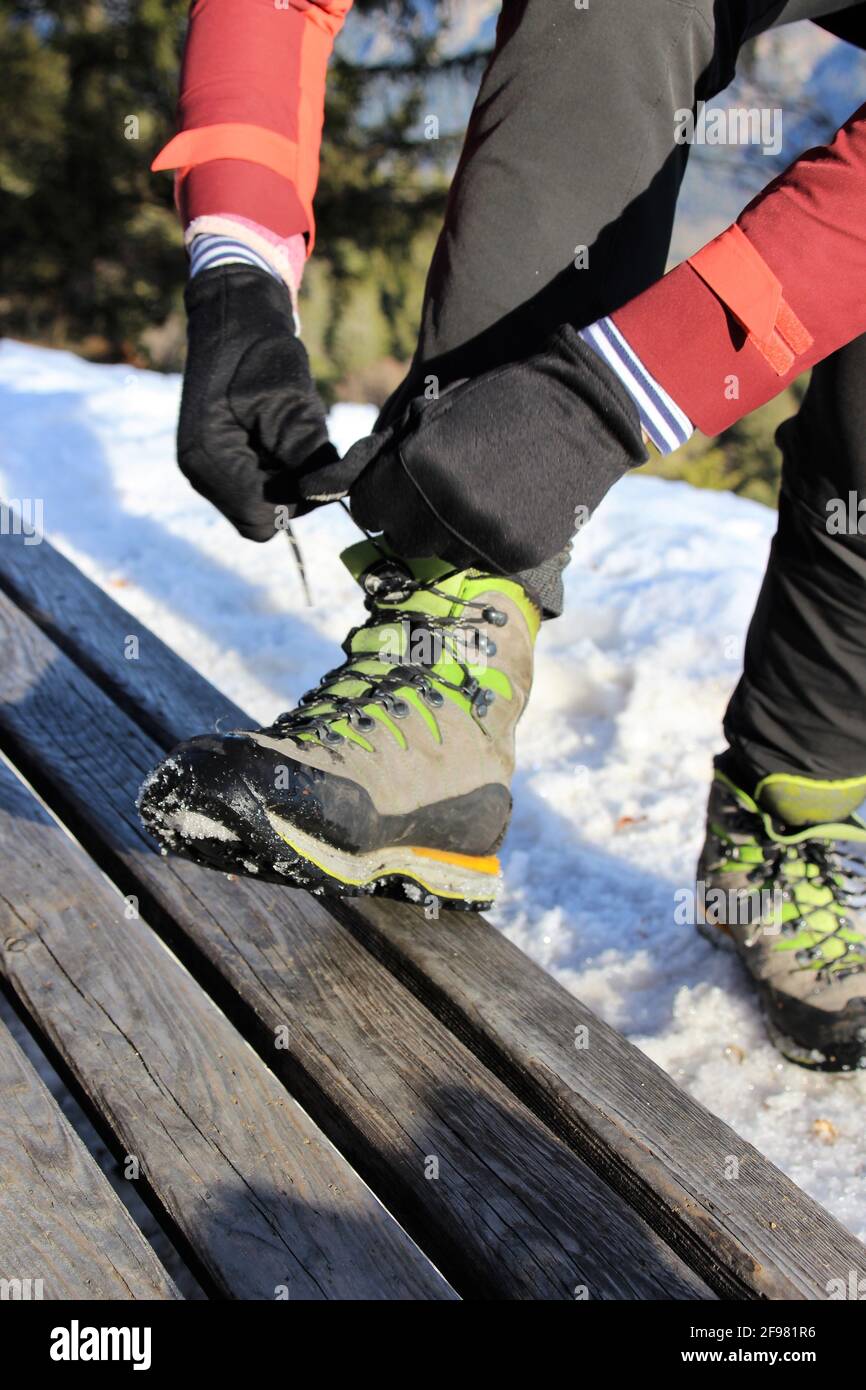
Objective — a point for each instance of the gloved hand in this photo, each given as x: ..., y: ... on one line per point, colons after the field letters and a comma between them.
x: 252, y: 432
x: 496, y: 471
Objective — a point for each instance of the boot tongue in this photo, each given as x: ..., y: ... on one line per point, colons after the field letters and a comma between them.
x: 383, y: 576
x: 364, y: 558
x: 799, y: 801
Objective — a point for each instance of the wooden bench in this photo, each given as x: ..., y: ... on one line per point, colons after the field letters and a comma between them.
x: 317, y: 1099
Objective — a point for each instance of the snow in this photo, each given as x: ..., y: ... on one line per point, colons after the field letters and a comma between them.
x: 192, y: 825
x: 614, y: 751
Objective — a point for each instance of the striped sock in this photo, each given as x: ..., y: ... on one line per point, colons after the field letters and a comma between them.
x: 660, y: 416
x: 209, y: 250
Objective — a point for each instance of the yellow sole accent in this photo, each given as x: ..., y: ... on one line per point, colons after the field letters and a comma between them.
x: 457, y: 877
x: 481, y: 864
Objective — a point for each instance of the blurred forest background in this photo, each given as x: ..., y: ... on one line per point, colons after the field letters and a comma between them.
x: 91, y: 255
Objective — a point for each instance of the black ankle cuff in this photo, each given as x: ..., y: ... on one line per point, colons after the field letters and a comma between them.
x: 732, y: 763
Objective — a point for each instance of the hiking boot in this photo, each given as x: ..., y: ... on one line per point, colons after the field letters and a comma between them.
x: 393, y: 775
x: 782, y: 880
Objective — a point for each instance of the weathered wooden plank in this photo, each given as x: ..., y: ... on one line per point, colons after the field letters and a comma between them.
x: 83, y: 621
x: 64, y: 1233
x: 255, y: 1190
x: 504, y: 1208
x: 757, y: 1237
x: 668, y: 1155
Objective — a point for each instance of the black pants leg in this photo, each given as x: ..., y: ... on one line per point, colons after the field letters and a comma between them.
x: 801, y: 703
x: 571, y: 144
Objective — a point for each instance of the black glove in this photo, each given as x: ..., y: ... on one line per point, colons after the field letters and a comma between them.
x: 252, y: 432
x: 496, y: 471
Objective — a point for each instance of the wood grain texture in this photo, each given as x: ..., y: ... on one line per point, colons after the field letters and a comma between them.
x: 501, y: 1205
x: 255, y: 1190
x: 87, y: 624
x: 60, y: 1220
x: 757, y: 1237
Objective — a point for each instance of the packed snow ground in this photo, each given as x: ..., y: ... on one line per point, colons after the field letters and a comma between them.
x: 614, y: 751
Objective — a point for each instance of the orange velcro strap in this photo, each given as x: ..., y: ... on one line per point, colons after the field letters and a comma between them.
x: 736, y: 271
x: 254, y: 143
x: 231, y: 140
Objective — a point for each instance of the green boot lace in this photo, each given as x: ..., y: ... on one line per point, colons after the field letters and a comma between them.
x: 424, y: 642
x: 810, y: 872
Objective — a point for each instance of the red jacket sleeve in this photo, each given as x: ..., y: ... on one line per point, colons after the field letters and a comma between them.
x: 780, y: 290
x: 251, y: 109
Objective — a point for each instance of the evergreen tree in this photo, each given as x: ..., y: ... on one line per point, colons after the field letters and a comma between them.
x: 91, y: 250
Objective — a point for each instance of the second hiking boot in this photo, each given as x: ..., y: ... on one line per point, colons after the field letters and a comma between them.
x: 783, y: 880
x: 394, y: 774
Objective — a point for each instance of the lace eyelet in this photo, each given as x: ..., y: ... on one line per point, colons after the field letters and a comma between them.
x: 495, y: 616
x: 388, y: 582
x: 433, y: 696
x: 809, y: 954
x: 482, y: 701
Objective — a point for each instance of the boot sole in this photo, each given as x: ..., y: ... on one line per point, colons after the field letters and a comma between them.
x: 264, y: 846
x: 841, y: 1059
x: 455, y: 879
